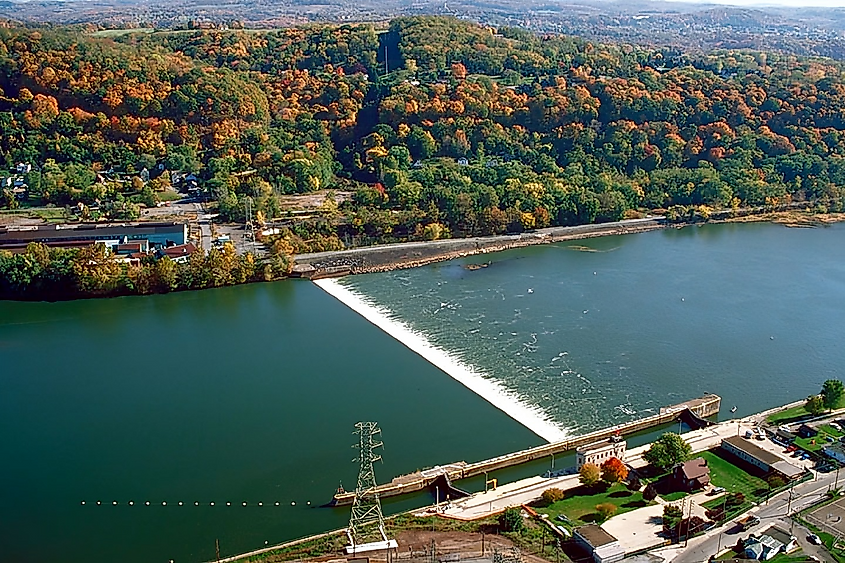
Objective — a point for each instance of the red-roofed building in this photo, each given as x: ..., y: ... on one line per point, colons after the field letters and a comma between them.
x: 179, y: 253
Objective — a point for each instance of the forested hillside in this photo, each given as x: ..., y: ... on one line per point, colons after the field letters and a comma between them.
x: 463, y: 130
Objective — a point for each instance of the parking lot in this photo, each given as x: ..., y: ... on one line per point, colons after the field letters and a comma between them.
x: 830, y: 518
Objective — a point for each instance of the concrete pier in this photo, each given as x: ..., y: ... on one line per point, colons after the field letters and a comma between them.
x: 702, y: 407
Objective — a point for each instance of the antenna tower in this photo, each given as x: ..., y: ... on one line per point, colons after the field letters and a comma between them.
x: 366, y: 516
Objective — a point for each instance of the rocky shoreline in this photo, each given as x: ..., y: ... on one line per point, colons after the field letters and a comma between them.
x: 383, y: 258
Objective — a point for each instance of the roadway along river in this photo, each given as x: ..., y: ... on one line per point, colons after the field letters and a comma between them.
x: 250, y: 393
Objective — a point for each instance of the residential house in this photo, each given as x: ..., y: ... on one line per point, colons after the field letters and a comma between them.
x: 599, y: 452
x: 603, y: 547
x: 692, y: 475
x: 790, y: 542
x: 807, y: 431
x: 762, y: 548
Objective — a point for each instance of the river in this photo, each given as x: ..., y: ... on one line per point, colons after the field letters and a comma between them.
x: 246, y: 394
x: 250, y: 394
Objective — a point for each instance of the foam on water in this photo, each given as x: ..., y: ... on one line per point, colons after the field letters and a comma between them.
x: 491, y: 390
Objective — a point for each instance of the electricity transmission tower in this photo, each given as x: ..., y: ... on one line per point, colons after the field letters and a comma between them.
x: 366, y: 518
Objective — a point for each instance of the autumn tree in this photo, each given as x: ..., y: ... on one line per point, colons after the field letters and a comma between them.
x: 605, y: 510
x: 589, y: 474
x: 613, y: 470
x: 551, y: 496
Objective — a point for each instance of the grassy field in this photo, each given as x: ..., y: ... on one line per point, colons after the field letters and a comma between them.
x: 119, y: 32
x: 580, y: 504
x: 795, y: 414
x: 788, y: 415
x: 732, y: 478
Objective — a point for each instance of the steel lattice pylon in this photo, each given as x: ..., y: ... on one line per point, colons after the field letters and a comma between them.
x: 366, y: 520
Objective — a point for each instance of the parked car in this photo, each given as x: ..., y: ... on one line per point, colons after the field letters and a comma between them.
x: 717, y: 490
x: 814, y: 539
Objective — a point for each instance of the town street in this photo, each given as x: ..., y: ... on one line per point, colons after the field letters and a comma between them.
x: 803, y: 496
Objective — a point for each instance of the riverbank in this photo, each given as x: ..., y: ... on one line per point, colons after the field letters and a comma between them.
x: 478, y: 512
x: 389, y: 257
x: 791, y: 218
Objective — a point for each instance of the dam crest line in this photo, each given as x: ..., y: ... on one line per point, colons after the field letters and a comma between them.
x: 491, y: 390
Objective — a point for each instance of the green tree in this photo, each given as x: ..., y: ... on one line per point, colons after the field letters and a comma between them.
x: 832, y: 392
x: 814, y: 405
x: 667, y: 450
x: 672, y: 516
x: 511, y: 520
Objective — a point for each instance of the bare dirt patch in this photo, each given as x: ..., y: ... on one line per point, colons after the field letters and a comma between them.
x: 415, y: 543
x: 313, y: 200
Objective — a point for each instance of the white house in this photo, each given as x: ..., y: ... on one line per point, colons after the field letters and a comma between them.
x: 599, y: 452
x: 603, y: 547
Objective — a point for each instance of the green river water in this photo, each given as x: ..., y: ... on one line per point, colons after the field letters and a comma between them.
x: 251, y: 393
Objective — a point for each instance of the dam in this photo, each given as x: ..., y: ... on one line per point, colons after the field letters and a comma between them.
x: 692, y: 410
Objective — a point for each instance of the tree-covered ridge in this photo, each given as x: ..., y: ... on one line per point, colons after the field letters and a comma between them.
x: 463, y: 129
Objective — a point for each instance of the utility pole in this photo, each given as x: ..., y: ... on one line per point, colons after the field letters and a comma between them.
x: 543, y: 548
x: 217, y: 548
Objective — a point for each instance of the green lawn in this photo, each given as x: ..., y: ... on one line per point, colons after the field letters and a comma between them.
x: 672, y: 497
x: 732, y: 478
x: 795, y: 414
x: 788, y: 415
x: 828, y: 540
x: 580, y: 504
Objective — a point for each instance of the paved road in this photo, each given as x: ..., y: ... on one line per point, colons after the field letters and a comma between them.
x: 205, y: 228
x: 804, y: 495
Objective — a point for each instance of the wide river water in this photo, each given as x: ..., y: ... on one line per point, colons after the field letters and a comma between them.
x: 250, y: 394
